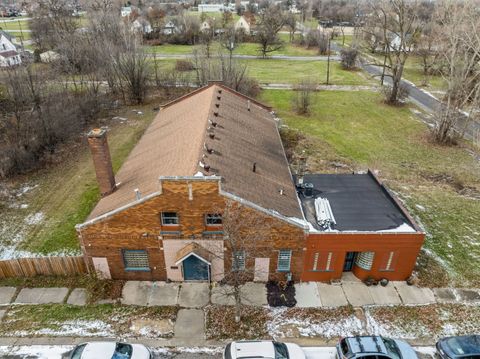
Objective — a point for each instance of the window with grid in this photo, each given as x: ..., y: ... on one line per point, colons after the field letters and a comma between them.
x: 284, y: 258
x: 135, y: 260
x: 213, y: 219
x: 169, y: 218
x: 238, y: 261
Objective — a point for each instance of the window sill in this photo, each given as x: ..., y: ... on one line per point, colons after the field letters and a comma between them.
x: 322, y: 271
x: 137, y: 270
x: 283, y: 270
x: 386, y: 270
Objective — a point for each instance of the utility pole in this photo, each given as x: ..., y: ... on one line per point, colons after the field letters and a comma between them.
x: 328, y: 62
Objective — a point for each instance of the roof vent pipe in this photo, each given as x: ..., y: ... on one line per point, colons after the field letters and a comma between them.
x: 211, y: 135
x: 215, y: 114
x: 217, y: 105
x: 207, y: 168
x: 219, y: 97
x: 254, y: 169
x: 138, y: 195
x: 248, y: 105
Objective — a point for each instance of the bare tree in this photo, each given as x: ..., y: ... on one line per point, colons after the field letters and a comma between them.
x: 401, y: 27
x: 270, y: 23
x: 243, y: 245
x: 460, y: 51
x: 427, y: 50
x: 349, y: 58
x: 291, y: 24
x: 231, y: 39
x: 227, y: 69
x: 303, y: 96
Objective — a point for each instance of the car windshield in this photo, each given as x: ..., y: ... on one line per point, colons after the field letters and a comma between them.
x: 122, y: 351
x: 281, y: 350
x: 392, y: 348
x: 77, y: 352
x: 464, y: 346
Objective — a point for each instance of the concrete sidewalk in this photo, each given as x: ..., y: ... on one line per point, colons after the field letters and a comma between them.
x: 198, y: 295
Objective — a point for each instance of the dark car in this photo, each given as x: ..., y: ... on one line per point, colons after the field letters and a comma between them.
x: 374, y: 347
x: 465, y: 347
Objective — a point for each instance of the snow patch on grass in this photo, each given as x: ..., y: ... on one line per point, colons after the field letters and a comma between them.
x: 284, y: 325
x: 79, y: 328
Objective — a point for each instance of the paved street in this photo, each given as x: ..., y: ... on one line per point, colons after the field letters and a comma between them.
x: 54, y: 352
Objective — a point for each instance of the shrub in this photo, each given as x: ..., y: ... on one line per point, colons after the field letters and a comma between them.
x: 184, y: 65
x: 348, y: 58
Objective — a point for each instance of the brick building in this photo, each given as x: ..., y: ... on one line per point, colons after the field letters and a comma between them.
x: 159, y: 217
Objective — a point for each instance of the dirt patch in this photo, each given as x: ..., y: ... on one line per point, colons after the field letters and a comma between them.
x: 455, y: 183
x: 314, y: 322
x: 221, y: 325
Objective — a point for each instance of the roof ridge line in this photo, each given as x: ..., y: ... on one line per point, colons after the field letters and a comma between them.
x: 187, y: 95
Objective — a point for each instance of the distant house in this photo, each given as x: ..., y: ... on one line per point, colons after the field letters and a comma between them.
x: 49, y: 56
x: 216, y: 7
x: 205, y: 26
x: 243, y: 24
x: 142, y: 26
x: 126, y: 11
x: 170, y: 28
x: 293, y: 9
x: 9, y: 55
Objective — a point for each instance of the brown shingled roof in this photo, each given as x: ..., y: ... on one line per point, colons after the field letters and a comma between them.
x: 177, y: 141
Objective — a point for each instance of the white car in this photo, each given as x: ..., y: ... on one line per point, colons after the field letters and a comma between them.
x: 263, y: 349
x: 109, y: 350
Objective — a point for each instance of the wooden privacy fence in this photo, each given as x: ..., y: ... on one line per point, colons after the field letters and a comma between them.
x: 31, y: 267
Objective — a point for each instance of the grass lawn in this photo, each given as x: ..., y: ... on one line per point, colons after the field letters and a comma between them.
x: 440, y: 185
x: 413, y: 72
x: 98, y: 320
x: 291, y: 71
x: 41, y: 214
x: 14, y: 25
x: 247, y: 48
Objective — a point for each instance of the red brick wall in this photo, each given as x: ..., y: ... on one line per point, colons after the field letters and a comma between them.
x: 139, y: 227
x: 405, y: 246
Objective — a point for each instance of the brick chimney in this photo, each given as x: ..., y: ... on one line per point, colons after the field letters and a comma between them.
x: 97, y: 139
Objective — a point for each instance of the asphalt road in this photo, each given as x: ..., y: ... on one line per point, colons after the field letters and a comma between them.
x: 471, y: 129
x: 54, y: 352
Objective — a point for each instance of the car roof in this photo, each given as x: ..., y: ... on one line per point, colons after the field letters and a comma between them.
x: 366, y: 344
x: 470, y: 344
x: 253, y: 349
x: 95, y: 350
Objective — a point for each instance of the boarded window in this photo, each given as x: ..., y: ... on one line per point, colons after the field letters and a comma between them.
x: 213, y: 219
x: 284, y: 258
x: 238, y: 261
x: 135, y: 260
x: 169, y: 218
x: 388, y: 262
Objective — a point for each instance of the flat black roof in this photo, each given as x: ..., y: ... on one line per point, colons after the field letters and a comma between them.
x: 358, y: 202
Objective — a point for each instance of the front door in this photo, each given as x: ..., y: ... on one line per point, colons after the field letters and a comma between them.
x: 195, y: 269
x: 349, y: 261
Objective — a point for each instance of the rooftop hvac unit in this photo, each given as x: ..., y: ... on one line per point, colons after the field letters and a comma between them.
x: 308, y: 190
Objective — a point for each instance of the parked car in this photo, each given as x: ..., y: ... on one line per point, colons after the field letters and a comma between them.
x: 465, y: 347
x: 374, y: 347
x: 109, y: 350
x: 262, y: 349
